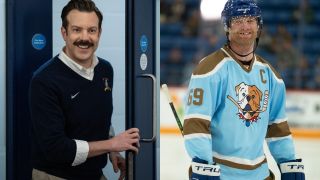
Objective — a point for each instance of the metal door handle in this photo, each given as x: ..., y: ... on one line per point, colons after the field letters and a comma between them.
x: 154, y: 110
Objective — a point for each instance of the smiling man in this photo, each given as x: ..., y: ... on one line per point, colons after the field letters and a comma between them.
x: 81, y: 32
x: 71, y: 105
x: 236, y: 101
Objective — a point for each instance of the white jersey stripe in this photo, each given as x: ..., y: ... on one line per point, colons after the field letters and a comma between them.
x: 226, y: 52
x: 239, y: 160
x: 213, y: 71
x: 278, y: 121
x: 278, y: 138
x: 199, y: 116
x: 197, y: 135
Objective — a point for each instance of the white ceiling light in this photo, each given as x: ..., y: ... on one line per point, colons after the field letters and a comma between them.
x: 211, y: 9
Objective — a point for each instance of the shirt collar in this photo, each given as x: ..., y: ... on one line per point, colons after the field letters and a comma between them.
x: 85, y: 72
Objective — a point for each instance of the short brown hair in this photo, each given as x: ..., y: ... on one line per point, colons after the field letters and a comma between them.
x: 83, y: 6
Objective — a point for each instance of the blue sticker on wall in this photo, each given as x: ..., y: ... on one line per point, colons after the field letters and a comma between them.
x: 144, y: 43
x: 38, y: 41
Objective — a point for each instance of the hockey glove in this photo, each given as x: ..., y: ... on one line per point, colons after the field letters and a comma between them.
x: 292, y: 170
x: 201, y: 170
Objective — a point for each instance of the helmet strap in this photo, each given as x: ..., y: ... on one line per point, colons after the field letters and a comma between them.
x: 241, y: 55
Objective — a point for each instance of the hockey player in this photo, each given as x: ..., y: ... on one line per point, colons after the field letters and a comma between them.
x: 236, y: 101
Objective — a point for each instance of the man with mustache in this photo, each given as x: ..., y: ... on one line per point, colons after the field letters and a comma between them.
x: 71, y: 105
x: 222, y: 142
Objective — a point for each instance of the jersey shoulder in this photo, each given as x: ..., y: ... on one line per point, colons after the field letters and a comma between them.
x: 209, y: 63
x: 266, y: 63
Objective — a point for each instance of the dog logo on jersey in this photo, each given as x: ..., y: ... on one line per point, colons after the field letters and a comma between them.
x: 248, y: 103
x: 106, y: 84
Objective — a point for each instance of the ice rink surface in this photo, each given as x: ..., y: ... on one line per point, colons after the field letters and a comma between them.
x: 174, y: 161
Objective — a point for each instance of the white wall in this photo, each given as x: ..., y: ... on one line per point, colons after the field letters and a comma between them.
x: 2, y: 92
x: 111, y: 48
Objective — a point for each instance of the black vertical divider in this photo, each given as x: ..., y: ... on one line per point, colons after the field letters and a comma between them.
x: 129, y: 21
x: 140, y: 91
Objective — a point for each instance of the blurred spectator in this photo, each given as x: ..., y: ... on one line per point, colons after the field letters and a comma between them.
x: 317, y: 74
x: 288, y: 55
x: 303, y: 74
x: 192, y: 25
x: 304, y: 12
x: 172, y: 12
x: 164, y: 11
x: 177, y: 11
x: 281, y: 36
x: 207, y: 42
x: 265, y: 40
x: 174, y: 68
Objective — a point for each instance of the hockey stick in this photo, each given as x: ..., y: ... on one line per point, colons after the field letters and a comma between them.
x: 166, y: 92
x: 264, y: 107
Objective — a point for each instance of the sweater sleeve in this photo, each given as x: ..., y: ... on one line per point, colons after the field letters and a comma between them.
x: 48, y: 123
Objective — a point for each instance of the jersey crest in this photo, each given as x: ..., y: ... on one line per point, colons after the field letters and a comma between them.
x: 248, y: 102
x: 106, y: 84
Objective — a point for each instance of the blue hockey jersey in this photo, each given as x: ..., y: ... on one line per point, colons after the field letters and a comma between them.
x: 231, y: 109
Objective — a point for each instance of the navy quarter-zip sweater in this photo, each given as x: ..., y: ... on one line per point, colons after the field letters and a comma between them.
x: 65, y: 106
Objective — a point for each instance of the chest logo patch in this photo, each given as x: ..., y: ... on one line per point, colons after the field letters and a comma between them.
x: 248, y: 102
x: 74, y: 95
x: 106, y: 84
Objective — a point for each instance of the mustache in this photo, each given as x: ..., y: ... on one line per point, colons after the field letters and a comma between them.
x: 83, y: 43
